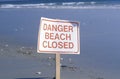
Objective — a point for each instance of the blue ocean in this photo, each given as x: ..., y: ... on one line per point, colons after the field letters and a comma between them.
x: 99, y: 39
x: 59, y: 3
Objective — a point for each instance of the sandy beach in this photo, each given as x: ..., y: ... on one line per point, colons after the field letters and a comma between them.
x: 99, y: 58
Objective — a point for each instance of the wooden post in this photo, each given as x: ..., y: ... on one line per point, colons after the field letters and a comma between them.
x: 58, y: 66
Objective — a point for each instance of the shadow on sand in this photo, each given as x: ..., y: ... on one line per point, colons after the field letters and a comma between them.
x: 37, y: 78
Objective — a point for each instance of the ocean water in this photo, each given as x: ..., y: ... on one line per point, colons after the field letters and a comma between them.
x: 75, y: 4
x: 99, y: 35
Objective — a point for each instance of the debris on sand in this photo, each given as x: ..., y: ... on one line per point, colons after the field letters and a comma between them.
x: 1, y: 50
x: 72, y: 68
x: 51, y: 58
x: 61, y: 59
x: 38, y: 73
x: 54, y: 77
x: 25, y: 50
x: 6, y: 45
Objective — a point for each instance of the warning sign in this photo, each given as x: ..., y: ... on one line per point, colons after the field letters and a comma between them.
x: 58, y: 36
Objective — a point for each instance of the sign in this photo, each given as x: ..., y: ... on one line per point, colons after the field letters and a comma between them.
x: 58, y: 36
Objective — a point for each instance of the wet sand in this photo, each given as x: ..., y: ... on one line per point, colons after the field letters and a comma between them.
x: 99, y: 58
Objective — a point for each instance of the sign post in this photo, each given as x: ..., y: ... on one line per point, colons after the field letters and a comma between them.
x: 57, y: 66
x: 58, y: 37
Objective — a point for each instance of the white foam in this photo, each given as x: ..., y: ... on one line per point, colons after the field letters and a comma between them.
x: 93, y: 2
x: 80, y: 3
x: 68, y: 3
x: 51, y: 4
x: 71, y: 5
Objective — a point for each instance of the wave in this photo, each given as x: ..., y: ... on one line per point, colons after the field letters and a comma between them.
x: 64, y: 5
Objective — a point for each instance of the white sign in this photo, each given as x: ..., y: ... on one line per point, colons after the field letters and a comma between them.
x: 58, y: 36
